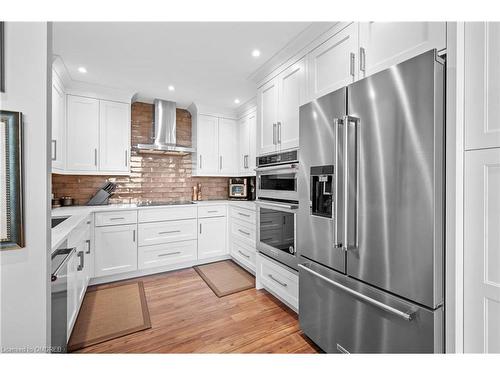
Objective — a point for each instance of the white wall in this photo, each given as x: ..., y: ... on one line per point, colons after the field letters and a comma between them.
x: 24, y: 273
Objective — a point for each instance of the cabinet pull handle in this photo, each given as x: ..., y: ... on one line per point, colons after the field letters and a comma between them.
x: 82, y: 261
x: 169, y: 231
x: 211, y: 211
x: 167, y: 254
x: 116, y: 218
x: 279, y: 132
x: 95, y: 156
x: 242, y: 214
x: 246, y: 256
x: 88, y: 246
x: 220, y: 157
x: 352, y: 61
x: 242, y: 231
x: 133, y: 236
x: 126, y: 157
x: 274, y: 134
x: 200, y: 228
x: 201, y: 164
x: 54, y: 149
x: 277, y: 281
x: 362, y: 59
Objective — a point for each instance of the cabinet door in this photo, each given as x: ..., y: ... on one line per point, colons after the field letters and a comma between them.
x: 212, y: 233
x: 389, y: 43
x: 207, y: 145
x: 244, y: 144
x: 482, y: 85
x: 267, y: 97
x: 332, y: 65
x: 114, y: 136
x: 82, y: 133
x: 115, y: 249
x: 252, y: 149
x: 291, y: 96
x: 228, y: 147
x: 58, y: 123
x: 482, y: 252
x: 72, y: 287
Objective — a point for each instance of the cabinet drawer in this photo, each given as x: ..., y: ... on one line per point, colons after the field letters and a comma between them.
x: 244, y: 254
x: 243, y: 231
x: 242, y: 214
x: 280, y: 280
x: 212, y: 211
x: 168, y: 213
x: 166, y: 231
x: 115, y: 218
x: 166, y: 254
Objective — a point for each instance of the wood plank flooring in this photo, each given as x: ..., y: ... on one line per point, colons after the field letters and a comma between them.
x: 187, y: 317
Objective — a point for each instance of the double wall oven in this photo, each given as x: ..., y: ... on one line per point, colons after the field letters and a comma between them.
x: 277, y: 205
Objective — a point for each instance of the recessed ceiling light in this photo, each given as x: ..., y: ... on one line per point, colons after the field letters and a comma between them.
x: 82, y: 69
x: 255, y: 53
x: 171, y: 88
x: 237, y: 101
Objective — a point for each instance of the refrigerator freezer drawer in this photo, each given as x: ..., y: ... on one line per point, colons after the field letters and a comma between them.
x: 341, y: 314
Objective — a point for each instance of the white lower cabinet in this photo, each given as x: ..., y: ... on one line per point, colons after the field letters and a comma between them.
x: 243, y: 253
x: 80, y: 270
x: 116, y: 249
x: 279, y: 280
x: 167, y: 254
x: 243, y: 236
x: 212, y: 236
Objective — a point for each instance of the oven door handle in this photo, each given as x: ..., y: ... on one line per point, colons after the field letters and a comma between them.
x: 279, y: 205
x: 284, y: 167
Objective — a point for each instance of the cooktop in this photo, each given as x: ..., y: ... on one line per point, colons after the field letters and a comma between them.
x: 156, y: 203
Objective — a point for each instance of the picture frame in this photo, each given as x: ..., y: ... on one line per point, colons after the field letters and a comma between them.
x: 11, y: 181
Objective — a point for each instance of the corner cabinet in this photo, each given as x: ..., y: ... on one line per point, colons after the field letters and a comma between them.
x: 216, y: 140
x: 94, y: 138
x: 278, y: 104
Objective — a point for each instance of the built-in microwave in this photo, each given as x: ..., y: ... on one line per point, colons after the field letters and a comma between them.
x: 277, y: 176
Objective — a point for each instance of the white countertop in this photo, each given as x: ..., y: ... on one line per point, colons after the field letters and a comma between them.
x: 77, y: 214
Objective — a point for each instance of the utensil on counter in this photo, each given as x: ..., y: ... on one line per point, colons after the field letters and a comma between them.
x: 67, y: 201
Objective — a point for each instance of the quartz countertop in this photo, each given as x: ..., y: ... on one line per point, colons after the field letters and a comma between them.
x: 77, y: 214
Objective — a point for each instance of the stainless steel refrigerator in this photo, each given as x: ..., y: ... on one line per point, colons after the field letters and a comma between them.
x: 371, y: 213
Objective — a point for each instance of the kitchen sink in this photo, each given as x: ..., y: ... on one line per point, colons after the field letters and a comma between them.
x: 58, y: 220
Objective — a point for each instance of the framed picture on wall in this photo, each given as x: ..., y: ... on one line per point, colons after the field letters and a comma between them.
x: 2, y: 56
x: 11, y: 181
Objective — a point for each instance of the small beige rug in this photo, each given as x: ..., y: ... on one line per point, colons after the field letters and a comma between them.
x: 225, y: 277
x: 108, y: 312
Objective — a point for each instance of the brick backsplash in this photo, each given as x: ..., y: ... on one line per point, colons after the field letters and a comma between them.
x: 152, y: 177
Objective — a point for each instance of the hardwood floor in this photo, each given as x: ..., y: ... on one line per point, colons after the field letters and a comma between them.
x: 187, y: 317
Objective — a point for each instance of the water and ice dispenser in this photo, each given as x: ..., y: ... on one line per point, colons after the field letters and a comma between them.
x: 322, y: 190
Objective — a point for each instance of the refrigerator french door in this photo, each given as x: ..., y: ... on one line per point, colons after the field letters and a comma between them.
x: 371, y: 273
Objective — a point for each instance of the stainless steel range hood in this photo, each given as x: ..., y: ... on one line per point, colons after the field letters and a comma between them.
x: 165, y: 139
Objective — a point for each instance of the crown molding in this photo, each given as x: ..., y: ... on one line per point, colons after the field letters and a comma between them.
x: 310, y: 38
x: 246, y: 108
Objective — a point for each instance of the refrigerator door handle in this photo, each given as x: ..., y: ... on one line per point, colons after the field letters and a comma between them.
x: 404, y: 315
x: 337, y: 241
x: 350, y: 183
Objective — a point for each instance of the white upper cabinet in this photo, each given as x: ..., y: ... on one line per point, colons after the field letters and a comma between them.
x: 58, y: 123
x: 332, y: 65
x: 82, y: 134
x: 247, y: 144
x: 383, y: 44
x: 278, y: 103
x: 228, y: 147
x: 207, y: 142
x: 267, y: 102
x: 291, y: 96
x: 482, y: 85
x: 114, y: 138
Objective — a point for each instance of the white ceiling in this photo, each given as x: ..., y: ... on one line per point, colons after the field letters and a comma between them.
x: 207, y: 62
